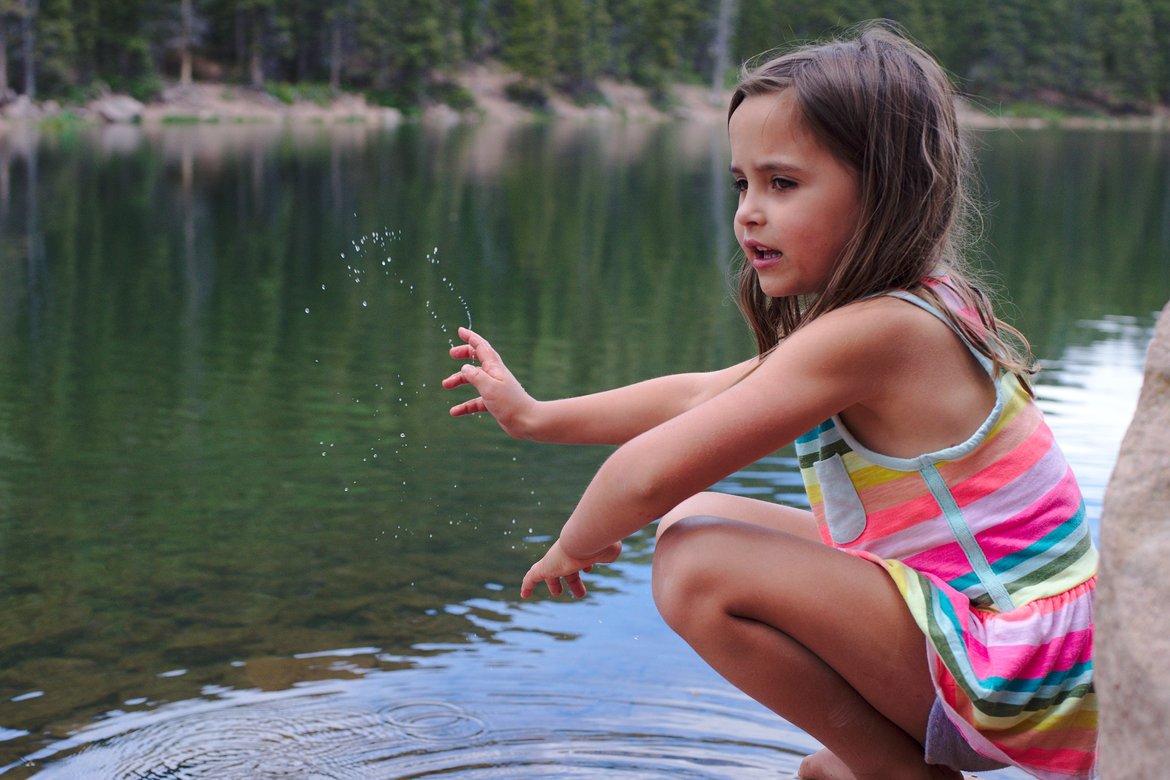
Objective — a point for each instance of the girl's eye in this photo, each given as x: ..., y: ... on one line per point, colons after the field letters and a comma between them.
x: 780, y: 183
x: 739, y: 185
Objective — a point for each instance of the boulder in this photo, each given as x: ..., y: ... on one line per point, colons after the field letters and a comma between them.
x: 1132, y: 641
x: 21, y: 109
x: 118, y: 109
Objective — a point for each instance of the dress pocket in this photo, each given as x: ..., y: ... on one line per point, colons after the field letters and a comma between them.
x: 844, y: 513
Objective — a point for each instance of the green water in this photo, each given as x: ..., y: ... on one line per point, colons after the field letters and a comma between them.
x: 227, y: 475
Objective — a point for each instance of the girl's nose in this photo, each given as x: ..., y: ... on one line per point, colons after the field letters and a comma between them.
x: 748, y: 213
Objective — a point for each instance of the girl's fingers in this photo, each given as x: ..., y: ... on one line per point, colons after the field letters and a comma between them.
x: 474, y: 406
x: 462, y: 352
x: 576, y: 587
x: 479, y: 347
x: 466, y: 375
x: 455, y: 380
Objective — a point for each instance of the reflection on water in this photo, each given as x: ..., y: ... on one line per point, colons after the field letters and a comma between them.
x: 1089, y: 393
x: 239, y: 535
x: 529, y: 704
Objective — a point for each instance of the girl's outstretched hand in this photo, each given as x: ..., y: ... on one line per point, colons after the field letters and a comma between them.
x: 556, y: 565
x: 500, y: 394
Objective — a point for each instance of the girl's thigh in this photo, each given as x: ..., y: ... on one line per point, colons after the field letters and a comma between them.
x: 843, y: 609
x: 798, y: 522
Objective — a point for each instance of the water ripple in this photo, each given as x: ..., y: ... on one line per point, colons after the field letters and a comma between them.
x: 351, y: 730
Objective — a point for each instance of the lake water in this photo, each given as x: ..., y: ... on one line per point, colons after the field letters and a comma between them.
x: 241, y: 538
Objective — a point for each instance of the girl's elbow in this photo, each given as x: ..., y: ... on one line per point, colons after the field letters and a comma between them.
x: 649, y: 492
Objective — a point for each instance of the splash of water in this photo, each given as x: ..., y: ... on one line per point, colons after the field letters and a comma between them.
x: 367, y: 260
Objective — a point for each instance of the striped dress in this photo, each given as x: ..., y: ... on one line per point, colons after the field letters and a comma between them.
x: 988, y: 544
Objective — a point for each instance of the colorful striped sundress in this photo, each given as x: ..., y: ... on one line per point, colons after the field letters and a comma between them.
x: 988, y: 544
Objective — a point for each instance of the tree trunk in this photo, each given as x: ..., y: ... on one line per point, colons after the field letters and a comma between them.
x: 3, y: 58
x: 721, y: 46
x: 187, y: 33
x: 335, y: 55
x: 28, y: 12
x: 256, y: 56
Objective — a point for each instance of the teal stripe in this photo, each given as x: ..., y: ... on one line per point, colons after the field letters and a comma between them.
x: 1080, y: 554
x: 1058, y: 678
x: 1035, y: 550
x: 812, y: 435
x: 1044, y: 543
x: 993, y: 696
x: 954, y: 517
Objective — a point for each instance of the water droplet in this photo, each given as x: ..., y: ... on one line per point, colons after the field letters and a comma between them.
x: 306, y: 310
x: 364, y: 304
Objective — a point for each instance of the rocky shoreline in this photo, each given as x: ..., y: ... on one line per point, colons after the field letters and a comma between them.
x: 219, y: 103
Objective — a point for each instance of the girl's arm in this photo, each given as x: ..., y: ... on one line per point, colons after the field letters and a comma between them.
x: 609, y: 417
x: 823, y: 368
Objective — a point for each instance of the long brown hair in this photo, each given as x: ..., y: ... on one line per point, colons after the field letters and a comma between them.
x: 885, y: 108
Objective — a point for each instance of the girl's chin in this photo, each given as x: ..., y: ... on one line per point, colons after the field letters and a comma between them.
x: 771, y: 289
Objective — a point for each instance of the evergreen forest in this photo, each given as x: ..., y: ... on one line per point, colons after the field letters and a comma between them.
x: 1096, y: 55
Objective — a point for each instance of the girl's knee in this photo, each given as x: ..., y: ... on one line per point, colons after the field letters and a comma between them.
x: 681, y: 571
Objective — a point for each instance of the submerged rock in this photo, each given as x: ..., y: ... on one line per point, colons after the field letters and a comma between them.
x: 1133, y: 608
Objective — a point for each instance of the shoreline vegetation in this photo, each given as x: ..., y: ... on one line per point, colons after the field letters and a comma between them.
x: 484, y: 94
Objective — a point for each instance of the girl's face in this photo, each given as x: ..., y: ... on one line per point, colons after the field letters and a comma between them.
x: 798, y: 204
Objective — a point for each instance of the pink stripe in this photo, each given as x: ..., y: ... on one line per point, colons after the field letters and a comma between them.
x: 1007, y: 535
x: 1005, y: 470
x: 892, y: 492
x: 1072, y: 761
x: 1049, y: 512
x: 1031, y: 662
x: 1018, y: 422
x: 1011, y: 643
x: 898, y: 518
x: 894, y: 517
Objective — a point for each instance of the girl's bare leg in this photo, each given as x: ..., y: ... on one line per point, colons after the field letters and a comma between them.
x: 820, y: 637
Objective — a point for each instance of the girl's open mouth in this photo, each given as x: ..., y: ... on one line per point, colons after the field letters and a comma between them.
x: 762, y: 256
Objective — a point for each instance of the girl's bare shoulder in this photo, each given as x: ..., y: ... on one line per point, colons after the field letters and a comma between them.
x: 877, y: 330
x: 918, y: 387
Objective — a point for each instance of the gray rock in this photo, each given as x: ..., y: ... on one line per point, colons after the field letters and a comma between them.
x: 391, y: 117
x: 21, y: 109
x: 117, y: 109
x: 1133, y: 601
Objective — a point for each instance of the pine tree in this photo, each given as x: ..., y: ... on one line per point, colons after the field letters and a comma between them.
x: 1130, y: 53
x: 528, y: 43
x: 581, y: 46
x: 1160, y: 27
x: 9, y: 13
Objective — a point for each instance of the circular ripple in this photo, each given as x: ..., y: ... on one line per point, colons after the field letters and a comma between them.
x: 434, y: 721
x: 400, y: 725
x: 292, y: 738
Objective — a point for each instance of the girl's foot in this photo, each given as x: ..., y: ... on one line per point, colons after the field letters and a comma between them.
x: 824, y: 765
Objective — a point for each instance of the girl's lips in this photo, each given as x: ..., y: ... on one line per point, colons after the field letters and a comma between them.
x: 762, y: 263
x: 762, y: 256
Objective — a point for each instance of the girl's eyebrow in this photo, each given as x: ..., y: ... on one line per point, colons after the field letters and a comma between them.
x: 768, y: 166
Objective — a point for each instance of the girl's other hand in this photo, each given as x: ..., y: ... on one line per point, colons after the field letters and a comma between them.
x: 556, y: 565
x: 500, y: 394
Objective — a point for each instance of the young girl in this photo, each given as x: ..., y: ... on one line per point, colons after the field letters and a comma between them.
x: 934, y: 611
